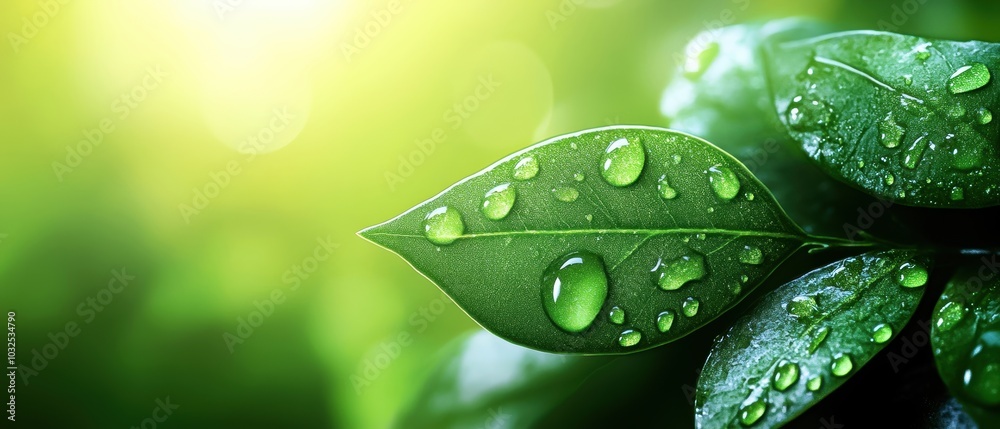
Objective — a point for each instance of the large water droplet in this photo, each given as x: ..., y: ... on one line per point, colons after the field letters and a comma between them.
x: 984, y: 116
x: 814, y: 383
x: 841, y: 365
x: 574, y: 288
x: 724, y: 182
x: 566, y: 194
x: 499, y: 201
x: 665, y: 321
x: 915, y: 153
x: 802, y: 307
x: 751, y: 255
x: 982, y: 375
x: 911, y: 274
x: 890, y: 132
x: 881, y: 333
x: 526, y: 168
x: 785, y: 375
x: 690, y: 306
x: 617, y: 315
x: 629, y: 338
x: 623, y: 162
x: 443, y: 225
x: 697, y: 62
x: 804, y: 115
x: 969, y: 78
x: 890, y: 179
x: 949, y: 315
x: 818, y: 338
x: 671, y: 275
x: 666, y: 192
x: 752, y: 411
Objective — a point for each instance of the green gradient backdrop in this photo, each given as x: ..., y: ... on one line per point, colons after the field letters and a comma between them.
x: 340, y: 121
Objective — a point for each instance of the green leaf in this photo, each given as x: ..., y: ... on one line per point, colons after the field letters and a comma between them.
x: 487, y: 382
x: 688, y: 239
x: 806, y: 338
x: 882, y: 112
x: 966, y: 339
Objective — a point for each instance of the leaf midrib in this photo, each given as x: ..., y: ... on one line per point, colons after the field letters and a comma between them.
x: 638, y: 232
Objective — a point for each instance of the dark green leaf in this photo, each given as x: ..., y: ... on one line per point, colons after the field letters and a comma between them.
x: 806, y: 338
x: 684, y: 217
x: 882, y: 112
x: 487, y: 382
x: 966, y: 339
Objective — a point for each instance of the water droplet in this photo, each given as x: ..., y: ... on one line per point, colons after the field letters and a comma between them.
x: 526, y: 168
x: 499, y: 201
x: 751, y: 255
x: 957, y: 194
x: 623, y: 162
x: 697, y: 62
x: 579, y: 177
x: 735, y: 288
x: 818, y: 339
x: 572, y: 145
x: 751, y: 412
x: 629, y: 338
x: 923, y: 55
x: 566, y: 194
x: 966, y: 157
x: 804, y: 115
x: 666, y: 192
x: 982, y: 376
x: 912, y: 275
x: 724, y: 182
x: 969, y: 78
x: 617, y: 315
x: 861, y: 164
x: 589, y: 217
x: 665, y: 320
x: 574, y: 288
x: 785, y: 375
x: 802, y: 307
x: 956, y: 111
x: 881, y: 333
x: 744, y: 278
x: 915, y: 153
x: 690, y: 307
x: 908, y: 79
x: 842, y: 364
x: 750, y: 196
x: 814, y: 383
x: 700, y: 236
x: 984, y: 116
x: 949, y: 315
x: 676, y: 158
x: 671, y: 275
x: 443, y: 226
x: 890, y: 133
x: 890, y: 179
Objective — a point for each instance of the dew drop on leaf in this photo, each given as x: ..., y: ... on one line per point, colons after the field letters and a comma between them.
x: 526, y: 168
x: 665, y: 321
x: 818, y: 339
x: 617, y: 315
x: 579, y: 177
x: 966, y: 157
x: 911, y: 275
x: 814, y: 383
x: 566, y: 194
x: 751, y: 255
x: 915, y: 153
x: 498, y: 202
x: 804, y: 115
x: 969, y: 78
x: 724, y: 182
x: 629, y: 338
x: 802, y: 307
x: 785, y: 375
x: 956, y: 111
x: 752, y: 411
x: 984, y: 116
x: 881, y: 333
x: 890, y: 133
x: 842, y: 364
x: 949, y: 315
x: 663, y: 186
x: 690, y: 306
x: 671, y: 275
x: 574, y: 288
x: 623, y: 162
x: 443, y: 225
x: 957, y: 193
x: 890, y: 179
x: 981, y: 378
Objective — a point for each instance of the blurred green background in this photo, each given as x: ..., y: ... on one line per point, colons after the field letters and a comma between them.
x: 224, y: 153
